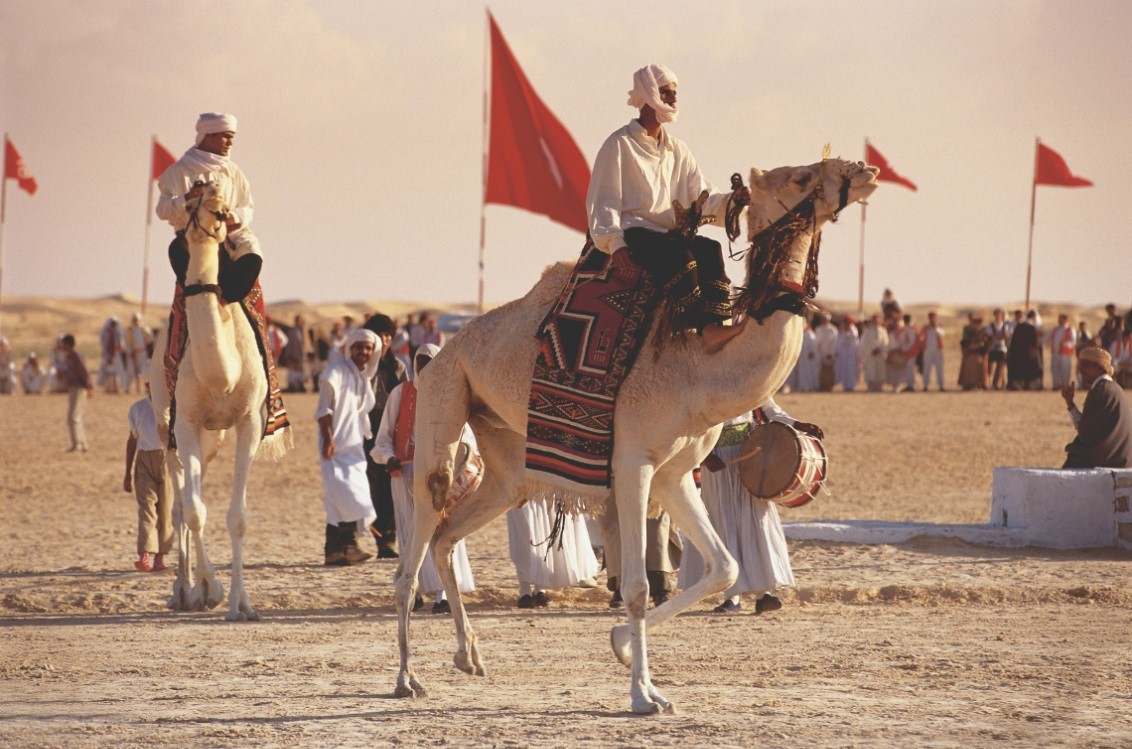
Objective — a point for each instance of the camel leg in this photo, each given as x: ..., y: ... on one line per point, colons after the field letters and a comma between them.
x: 206, y: 591
x: 495, y: 495
x: 179, y: 600
x: 413, y: 552
x: 247, y: 441
x: 488, y: 502
x: 683, y: 502
x: 631, y: 484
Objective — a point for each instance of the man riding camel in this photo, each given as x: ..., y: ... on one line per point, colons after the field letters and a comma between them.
x: 640, y: 172
x: 184, y: 182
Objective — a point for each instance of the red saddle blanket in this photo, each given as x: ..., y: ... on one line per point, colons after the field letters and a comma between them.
x: 252, y: 305
x: 587, y: 345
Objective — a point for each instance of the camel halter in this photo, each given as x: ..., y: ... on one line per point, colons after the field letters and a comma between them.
x: 194, y: 220
x: 767, y: 291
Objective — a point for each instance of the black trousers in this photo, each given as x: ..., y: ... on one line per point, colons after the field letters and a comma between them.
x: 236, y: 277
x: 688, y: 272
x: 381, y: 494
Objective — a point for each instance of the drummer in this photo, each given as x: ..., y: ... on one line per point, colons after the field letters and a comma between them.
x: 750, y: 527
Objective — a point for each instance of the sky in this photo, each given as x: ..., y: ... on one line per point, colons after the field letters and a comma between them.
x: 361, y: 132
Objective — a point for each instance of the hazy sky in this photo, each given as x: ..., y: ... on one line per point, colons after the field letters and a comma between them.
x: 361, y: 133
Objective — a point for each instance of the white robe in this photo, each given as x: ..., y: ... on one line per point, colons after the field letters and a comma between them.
x: 428, y: 579
x: 750, y: 528
x: 342, y: 394
x: 809, y: 365
x: 528, y: 527
x: 874, y: 347
x: 634, y: 181
x: 195, y: 165
x: 848, y: 360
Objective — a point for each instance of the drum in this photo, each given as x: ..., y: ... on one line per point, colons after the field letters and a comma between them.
x: 787, y: 467
x: 468, y: 475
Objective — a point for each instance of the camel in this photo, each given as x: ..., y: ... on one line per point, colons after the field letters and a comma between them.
x: 666, y: 418
x: 220, y: 386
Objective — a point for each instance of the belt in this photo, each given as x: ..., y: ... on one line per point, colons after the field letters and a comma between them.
x: 733, y: 434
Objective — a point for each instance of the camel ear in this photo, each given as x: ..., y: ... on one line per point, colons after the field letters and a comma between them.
x: 758, y: 177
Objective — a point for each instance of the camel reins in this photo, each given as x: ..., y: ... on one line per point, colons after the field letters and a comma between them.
x: 202, y: 288
x: 772, y: 246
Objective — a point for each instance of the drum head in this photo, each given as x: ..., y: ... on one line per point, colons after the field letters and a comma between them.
x: 771, y: 471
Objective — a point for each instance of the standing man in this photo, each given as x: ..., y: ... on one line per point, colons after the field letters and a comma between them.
x: 826, y: 337
x: 639, y: 171
x: 344, y: 402
x: 390, y: 373
x: 1104, y: 425
x: 79, y: 388
x: 999, y: 331
x: 208, y: 161
x: 295, y: 356
x: 874, y: 345
x: 138, y: 340
x: 931, y: 343
x: 1062, y: 347
x: 145, y: 460
x: 901, y: 357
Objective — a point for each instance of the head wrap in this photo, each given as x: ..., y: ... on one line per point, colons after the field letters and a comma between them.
x: 430, y: 350
x: 1097, y: 356
x: 214, y: 122
x: 366, y: 336
x: 646, y: 90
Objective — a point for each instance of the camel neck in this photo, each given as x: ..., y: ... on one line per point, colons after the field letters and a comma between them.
x: 211, y: 328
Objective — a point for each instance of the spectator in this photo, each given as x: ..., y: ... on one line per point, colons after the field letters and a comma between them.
x: 7, y: 369
x: 825, y: 336
x: 295, y: 357
x: 145, y: 459
x: 874, y: 347
x: 931, y: 348
x: 975, y: 343
x: 1062, y: 347
x: 111, y: 373
x: 901, y: 356
x: 79, y: 388
x: 999, y: 331
x: 1104, y: 425
x: 390, y: 373
x: 1023, y: 358
x: 847, y: 355
x: 137, y: 347
x: 33, y: 376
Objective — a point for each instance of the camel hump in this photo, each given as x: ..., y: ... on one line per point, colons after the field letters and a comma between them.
x: 550, y: 285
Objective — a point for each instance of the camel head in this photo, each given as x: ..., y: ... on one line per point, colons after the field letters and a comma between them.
x: 208, y: 216
x: 833, y: 184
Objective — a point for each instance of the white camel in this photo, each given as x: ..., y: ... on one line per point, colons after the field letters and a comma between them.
x: 220, y: 386
x: 666, y: 418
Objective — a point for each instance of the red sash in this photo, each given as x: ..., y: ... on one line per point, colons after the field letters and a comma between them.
x: 403, y: 445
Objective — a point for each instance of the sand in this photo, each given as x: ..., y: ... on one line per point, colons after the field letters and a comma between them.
x: 933, y: 642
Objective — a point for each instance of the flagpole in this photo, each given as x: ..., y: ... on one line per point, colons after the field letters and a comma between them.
x: 483, y: 200
x: 1033, y: 201
x: 3, y: 215
x: 148, y: 227
x: 861, y: 273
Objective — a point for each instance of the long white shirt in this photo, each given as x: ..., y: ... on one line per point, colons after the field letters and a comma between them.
x: 933, y: 339
x: 345, y: 395
x: 902, y: 339
x: 826, y: 336
x: 1063, y: 341
x: 634, y: 181
x: 200, y: 165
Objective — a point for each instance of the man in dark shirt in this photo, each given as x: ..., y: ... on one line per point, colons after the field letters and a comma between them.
x: 79, y: 388
x: 390, y: 373
x: 1104, y: 425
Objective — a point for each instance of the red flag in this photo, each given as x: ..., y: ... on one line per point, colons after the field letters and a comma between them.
x: 15, y: 168
x: 887, y: 173
x: 161, y: 160
x: 1051, y: 169
x: 532, y: 162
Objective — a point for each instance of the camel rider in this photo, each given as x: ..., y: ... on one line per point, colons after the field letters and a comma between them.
x: 184, y: 181
x: 640, y: 171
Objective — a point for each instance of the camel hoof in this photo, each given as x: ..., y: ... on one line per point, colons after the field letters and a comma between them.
x: 469, y: 665
x: 621, y: 640
x: 412, y: 690
x: 235, y: 616
x: 645, y: 706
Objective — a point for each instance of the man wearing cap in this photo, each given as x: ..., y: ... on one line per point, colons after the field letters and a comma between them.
x: 205, y: 162
x: 1104, y: 424
x: 639, y: 172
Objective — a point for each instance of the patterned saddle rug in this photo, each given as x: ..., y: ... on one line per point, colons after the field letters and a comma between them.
x: 178, y: 332
x: 587, y: 345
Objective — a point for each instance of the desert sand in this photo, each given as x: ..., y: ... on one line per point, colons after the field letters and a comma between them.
x: 931, y: 642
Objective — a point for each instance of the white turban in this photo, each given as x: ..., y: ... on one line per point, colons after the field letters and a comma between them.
x: 646, y: 90
x: 429, y: 349
x: 214, y: 122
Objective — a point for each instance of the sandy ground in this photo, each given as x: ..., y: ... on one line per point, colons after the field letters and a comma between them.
x: 929, y: 643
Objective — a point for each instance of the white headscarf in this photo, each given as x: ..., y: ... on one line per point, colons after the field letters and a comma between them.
x: 430, y: 350
x: 214, y: 122
x: 364, y: 335
x: 646, y: 90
